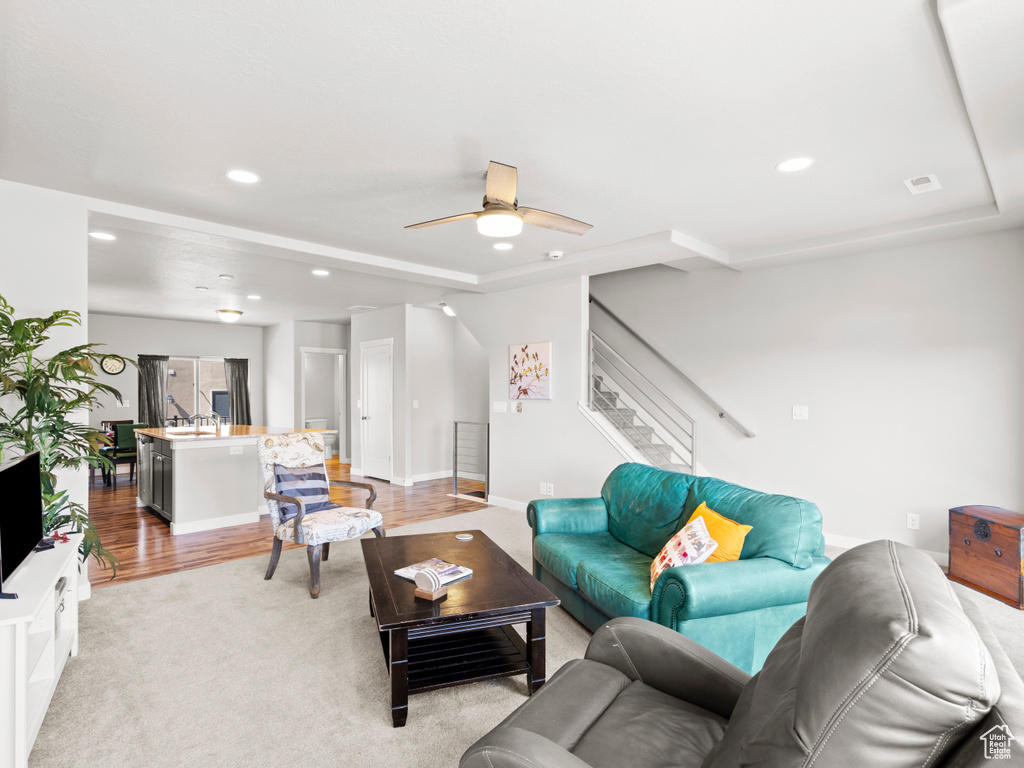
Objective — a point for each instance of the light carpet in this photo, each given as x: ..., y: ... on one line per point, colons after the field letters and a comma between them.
x: 217, y: 667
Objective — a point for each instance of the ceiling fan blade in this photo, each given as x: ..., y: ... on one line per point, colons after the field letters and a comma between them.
x: 445, y: 220
x: 501, y: 183
x: 554, y: 221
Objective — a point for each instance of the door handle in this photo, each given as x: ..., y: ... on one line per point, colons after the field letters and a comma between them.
x: 365, y: 418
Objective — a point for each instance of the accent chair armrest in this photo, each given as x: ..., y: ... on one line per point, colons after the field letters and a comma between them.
x: 299, y: 503
x: 364, y: 486
x: 673, y: 663
x: 718, y: 589
x: 518, y: 748
x: 567, y: 516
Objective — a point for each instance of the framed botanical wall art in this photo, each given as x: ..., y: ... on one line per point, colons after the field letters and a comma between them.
x: 530, y: 371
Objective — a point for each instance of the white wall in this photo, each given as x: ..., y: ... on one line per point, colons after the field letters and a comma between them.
x: 550, y: 441
x: 910, y: 361
x: 280, y: 374
x: 134, y: 336
x: 431, y: 365
x: 389, y: 323
x: 282, y: 351
x: 471, y: 376
x: 44, y: 268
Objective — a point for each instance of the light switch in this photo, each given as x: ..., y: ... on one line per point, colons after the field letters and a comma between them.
x: 801, y: 412
x: 500, y: 406
x: 126, y: 403
x: 415, y: 405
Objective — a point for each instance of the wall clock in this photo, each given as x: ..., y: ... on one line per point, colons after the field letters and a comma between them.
x: 112, y: 365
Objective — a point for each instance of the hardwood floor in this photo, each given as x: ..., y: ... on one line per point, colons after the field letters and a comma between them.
x: 142, y: 540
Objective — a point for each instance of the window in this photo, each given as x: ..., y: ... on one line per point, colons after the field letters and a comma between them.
x: 196, y: 385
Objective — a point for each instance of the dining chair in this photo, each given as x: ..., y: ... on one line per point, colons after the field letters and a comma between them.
x: 125, y: 450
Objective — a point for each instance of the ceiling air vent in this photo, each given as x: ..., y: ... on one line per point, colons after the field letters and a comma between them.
x: 359, y: 308
x: 920, y: 184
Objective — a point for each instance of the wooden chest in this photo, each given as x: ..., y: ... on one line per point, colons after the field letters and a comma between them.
x: 986, y: 551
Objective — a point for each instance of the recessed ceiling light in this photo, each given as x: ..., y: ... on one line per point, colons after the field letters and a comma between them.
x: 243, y: 177
x: 202, y: 288
x: 103, y: 236
x: 254, y: 297
x: 795, y: 164
x: 503, y: 246
x: 226, y: 277
x: 229, y: 315
x: 320, y: 272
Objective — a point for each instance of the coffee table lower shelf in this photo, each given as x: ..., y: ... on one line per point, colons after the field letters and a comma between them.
x: 485, y: 654
x: 428, y: 658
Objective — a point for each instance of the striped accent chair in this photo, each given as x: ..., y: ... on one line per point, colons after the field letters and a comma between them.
x: 296, y: 488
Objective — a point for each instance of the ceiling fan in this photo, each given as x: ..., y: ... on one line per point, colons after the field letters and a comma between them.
x: 502, y: 216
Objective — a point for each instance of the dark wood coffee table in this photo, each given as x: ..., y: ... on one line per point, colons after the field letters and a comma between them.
x: 464, y: 637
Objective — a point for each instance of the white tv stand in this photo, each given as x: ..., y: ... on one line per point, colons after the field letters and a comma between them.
x: 38, y: 632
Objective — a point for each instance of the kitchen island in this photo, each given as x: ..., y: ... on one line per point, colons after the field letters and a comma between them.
x: 203, y: 478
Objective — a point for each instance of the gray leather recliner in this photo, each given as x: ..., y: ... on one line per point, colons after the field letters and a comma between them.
x: 888, y: 668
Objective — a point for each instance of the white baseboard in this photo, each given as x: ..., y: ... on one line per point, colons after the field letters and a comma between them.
x: 218, y: 522
x: 849, y: 542
x: 403, y: 481
x: 518, y: 506
x: 356, y: 471
x: 432, y: 476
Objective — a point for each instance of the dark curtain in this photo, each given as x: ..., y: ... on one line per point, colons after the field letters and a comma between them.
x: 237, y: 373
x: 153, y: 390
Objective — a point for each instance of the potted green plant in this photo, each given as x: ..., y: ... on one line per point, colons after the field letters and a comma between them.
x: 39, y: 400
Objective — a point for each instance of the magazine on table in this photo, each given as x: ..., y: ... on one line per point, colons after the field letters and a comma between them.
x: 446, y: 572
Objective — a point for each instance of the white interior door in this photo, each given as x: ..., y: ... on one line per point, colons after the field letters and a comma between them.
x: 376, y: 428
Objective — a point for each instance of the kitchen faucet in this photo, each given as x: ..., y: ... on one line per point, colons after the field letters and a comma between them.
x: 212, y: 415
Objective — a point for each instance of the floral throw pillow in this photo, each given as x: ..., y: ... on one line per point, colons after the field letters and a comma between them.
x: 693, y: 544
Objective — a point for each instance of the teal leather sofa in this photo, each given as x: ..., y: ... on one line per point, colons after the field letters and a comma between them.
x: 596, y: 554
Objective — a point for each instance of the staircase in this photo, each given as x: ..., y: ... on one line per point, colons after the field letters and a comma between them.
x: 642, y: 422
x: 633, y: 428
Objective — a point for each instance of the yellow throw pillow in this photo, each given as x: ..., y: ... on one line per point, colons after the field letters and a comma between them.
x: 728, y: 533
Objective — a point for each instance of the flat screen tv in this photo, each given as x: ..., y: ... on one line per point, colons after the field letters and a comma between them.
x: 21, y: 512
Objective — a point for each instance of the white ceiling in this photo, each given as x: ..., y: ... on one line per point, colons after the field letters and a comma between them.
x: 658, y: 123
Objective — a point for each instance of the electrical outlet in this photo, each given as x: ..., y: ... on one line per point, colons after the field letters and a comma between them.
x: 913, y: 522
x: 801, y: 412
x: 415, y: 405
x: 550, y: 489
x: 236, y: 450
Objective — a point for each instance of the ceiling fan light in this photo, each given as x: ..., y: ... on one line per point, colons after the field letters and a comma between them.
x: 229, y: 315
x: 499, y: 223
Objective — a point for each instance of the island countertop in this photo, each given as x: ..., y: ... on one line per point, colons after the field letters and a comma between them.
x: 227, y: 432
